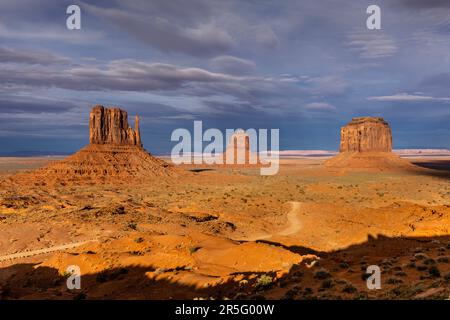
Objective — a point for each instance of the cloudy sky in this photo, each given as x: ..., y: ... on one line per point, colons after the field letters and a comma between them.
x: 303, y: 66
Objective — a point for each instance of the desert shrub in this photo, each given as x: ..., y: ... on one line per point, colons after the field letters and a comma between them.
x: 434, y: 271
x: 193, y: 249
x: 349, y: 288
x: 394, y: 281
x: 138, y: 240
x: 322, y: 274
x: 66, y: 274
x: 365, y: 276
x: 264, y: 282
x: 327, y: 284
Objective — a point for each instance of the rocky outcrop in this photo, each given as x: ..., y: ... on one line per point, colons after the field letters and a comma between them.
x: 114, y: 155
x: 366, y: 144
x: 366, y: 134
x: 110, y: 126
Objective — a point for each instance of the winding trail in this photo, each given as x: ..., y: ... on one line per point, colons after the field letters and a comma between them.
x: 295, y: 225
x: 26, y: 254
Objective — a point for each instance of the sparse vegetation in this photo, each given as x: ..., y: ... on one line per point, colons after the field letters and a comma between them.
x: 264, y: 282
x: 138, y: 240
x: 193, y: 249
x: 132, y: 226
x: 434, y: 272
x: 322, y: 274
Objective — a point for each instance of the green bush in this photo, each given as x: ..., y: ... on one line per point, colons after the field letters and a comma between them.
x: 264, y: 282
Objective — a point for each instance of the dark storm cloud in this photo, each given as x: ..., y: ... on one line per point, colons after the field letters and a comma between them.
x: 165, y: 32
x: 226, y: 108
x: 33, y: 105
x: 30, y: 56
x: 304, y: 66
x: 126, y: 75
x: 423, y: 4
x: 138, y: 76
x: 439, y: 80
x: 438, y: 83
x: 177, y: 10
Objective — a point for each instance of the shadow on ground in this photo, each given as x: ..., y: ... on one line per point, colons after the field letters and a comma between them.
x: 441, y: 165
x: 412, y: 268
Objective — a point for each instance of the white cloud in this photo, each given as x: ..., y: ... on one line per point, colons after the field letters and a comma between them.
x: 372, y: 45
x: 233, y: 65
x: 320, y: 106
x: 405, y: 97
x: 49, y: 32
x: 30, y: 56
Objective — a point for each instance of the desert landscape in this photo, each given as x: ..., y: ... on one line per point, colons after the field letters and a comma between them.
x: 259, y: 152
x: 140, y: 227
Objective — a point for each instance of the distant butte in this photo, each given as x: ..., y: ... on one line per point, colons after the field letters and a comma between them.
x: 366, y: 134
x: 366, y: 144
x: 238, y: 150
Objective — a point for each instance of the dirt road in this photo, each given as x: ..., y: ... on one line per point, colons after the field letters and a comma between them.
x: 294, y: 226
x: 25, y: 254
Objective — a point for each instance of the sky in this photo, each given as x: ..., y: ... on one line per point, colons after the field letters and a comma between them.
x: 305, y: 67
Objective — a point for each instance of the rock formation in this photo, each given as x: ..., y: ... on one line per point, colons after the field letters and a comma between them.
x: 366, y: 134
x: 366, y: 144
x: 115, y: 154
x: 110, y: 126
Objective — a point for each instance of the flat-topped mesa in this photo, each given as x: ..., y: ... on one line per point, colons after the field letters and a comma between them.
x: 110, y: 126
x: 366, y: 134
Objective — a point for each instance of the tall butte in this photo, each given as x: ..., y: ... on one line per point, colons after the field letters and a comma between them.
x: 110, y: 126
x: 114, y: 154
x: 366, y: 143
x: 366, y: 134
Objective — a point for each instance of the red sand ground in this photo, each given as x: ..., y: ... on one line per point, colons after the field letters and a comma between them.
x: 307, y: 233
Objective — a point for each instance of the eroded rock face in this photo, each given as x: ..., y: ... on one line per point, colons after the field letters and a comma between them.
x: 110, y: 126
x: 366, y: 134
x: 114, y: 155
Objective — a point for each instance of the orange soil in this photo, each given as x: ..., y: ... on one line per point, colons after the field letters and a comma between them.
x: 307, y: 233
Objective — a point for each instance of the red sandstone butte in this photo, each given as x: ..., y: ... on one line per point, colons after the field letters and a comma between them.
x: 110, y: 126
x: 366, y: 134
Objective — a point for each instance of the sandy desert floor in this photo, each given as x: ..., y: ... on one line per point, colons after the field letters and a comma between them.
x: 306, y: 233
